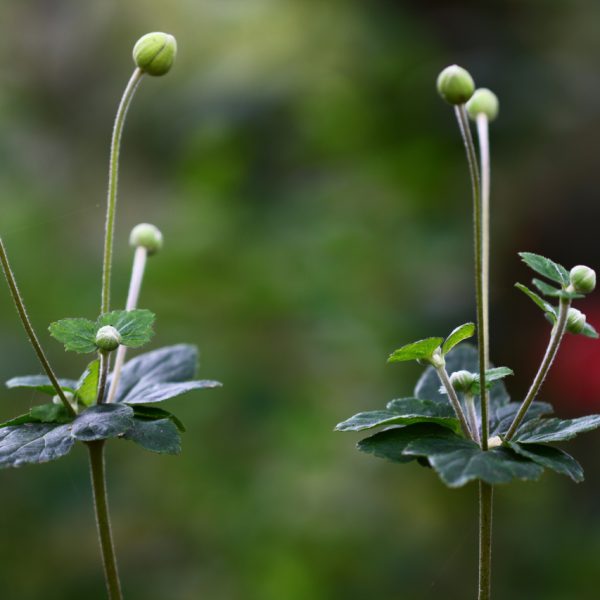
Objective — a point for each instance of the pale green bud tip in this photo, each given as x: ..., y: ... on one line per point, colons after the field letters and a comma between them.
x: 494, y: 442
x: 147, y: 236
x: 108, y: 338
x: 154, y: 53
x: 583, y: 279
x: 462, y: 380
x: 575, y: 321
x: 455, y: 85
x: 484, y: 102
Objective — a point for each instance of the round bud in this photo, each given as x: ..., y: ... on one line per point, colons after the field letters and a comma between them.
x: 154, y: 53
x: 575, y: 321
x: 494, y: 442
x: 148, y: 236
x: 462, y: 380
x: 437, y: 359
x: 455, y: 85
x: 484, y: 102
x: 108, y: 338
x: 583, y: 279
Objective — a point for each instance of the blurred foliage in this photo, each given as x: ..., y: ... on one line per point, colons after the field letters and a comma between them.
x: 313, y: 196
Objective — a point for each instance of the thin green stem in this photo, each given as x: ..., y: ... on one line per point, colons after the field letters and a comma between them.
x: 486, y: 498
x: 20, y: 305
x: 463, y: 124
x: 109, y: 560
x: 556, y: 337
x: 113, y: 175
x: 472, y: 417
x: 456, y: 405
x: 104, y: 366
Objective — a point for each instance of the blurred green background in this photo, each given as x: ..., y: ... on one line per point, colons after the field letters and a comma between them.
x: 314, y: 200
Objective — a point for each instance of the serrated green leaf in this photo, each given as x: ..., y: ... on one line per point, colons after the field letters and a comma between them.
x: 552, y: 292
x: 152, y: 413
x: 102, y: 421
x: 87, y: 386
x: 551, y: 458
x: 134, y: 326
x: 404, y: 411
x: 462, y: 332
x: 546, y: 267
x: 33, y: 443
x: 41, y: 383
x: 77, y: 335
x: 589, y: 331
x: 501, y: 418
x: 155, y: 435
x: 545, y: 306
x: 544, y: 431
x: 421, y: 350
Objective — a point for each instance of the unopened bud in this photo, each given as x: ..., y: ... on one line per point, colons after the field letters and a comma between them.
x: 583, y: 279
x: 148, y: 236
x: 437, y: 359
x: 494, y: 442
x: 484, y: 102
x: 575, y: 321
x: 455, y: 85
x: 108, y: 338
x: 462, y: 380
x: 154, y: 53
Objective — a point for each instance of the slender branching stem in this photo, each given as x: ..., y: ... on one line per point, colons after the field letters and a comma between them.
x: 486, y: 497
x: 113, y: 174
x: 472, y: 417
x: 463, y: 123
x: 135, y: 285
x: 20, y: 305
x: 484, y: 159
x: 456, y: 405
x: 556, y: 337
x: 98, y: 475
x: 104, y: 367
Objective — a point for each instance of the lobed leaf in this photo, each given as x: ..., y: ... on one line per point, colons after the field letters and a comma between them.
x: 543, y: 431
x: 421, y: 350
x: 159, y: 435
x: 41, y: 383
x: 77, y: 335
x: 501, y: 418
x: 462, y: 332
x: 546, y: 267
x: 134, y: 326
x: 102, y: 421
x: 551, y: 458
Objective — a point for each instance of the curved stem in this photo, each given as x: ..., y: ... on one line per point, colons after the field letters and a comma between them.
x: 113, y: 174
x: 463, y: 123
x: 486, y: 497
x: 135, y: 285
x: 98, y: 475
x: 558, y: 332
x: 20, y: 305
x: 443, y: 375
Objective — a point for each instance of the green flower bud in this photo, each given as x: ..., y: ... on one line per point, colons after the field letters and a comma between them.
x: 437, y: 359
x: 154, y: 53
x: 462, y: 380
x: 148, y: 236
x: 455, y: 85
x: 583, y: 279
x: 108, y: 338
x: 575, y: 321
x: 485, y: 102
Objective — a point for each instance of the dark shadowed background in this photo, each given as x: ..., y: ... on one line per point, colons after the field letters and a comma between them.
x: 314, y: 200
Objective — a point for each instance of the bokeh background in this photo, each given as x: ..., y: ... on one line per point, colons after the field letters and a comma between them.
x: 314, y: 200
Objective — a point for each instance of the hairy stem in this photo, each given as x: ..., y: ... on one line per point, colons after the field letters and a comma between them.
x: 443, y: 375
x: 463, y: 123
x: 472, y: 417
x: 104, y: 367
x: 486, y: 497
x: 135, y: 285
x: 113, y: 174
x: 20, y: 305
x: 556, y: 337
x: 109, y: 560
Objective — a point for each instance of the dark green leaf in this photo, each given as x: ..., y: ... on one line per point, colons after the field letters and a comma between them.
x: 491, y: 376
x: 152, y: 413
x: 157, y: 392
x: 589, y: 331
x: 102, y: 421
x: 33, y: 443
x: 551, y: 458
x: 157, y: 435
x: 87, y: 386
x: 77, y: 335
x: 459, y: 334
x: 502, y: 418
x: 552, y: 292
x: 543, y: 431
x: 545, y: 306
x: 134, y: 326
x: 423, y: 349
x: 546, y: 267
x: 405, y: 411
x: 41, y: 383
